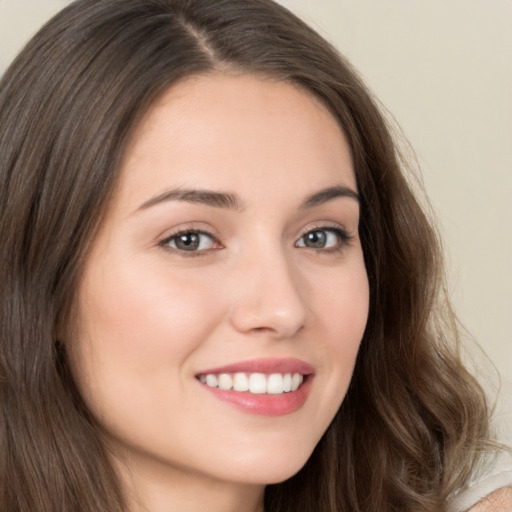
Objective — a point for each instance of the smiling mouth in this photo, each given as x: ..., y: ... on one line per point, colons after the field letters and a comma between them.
x: 254, y: 383
x: 266, y: 387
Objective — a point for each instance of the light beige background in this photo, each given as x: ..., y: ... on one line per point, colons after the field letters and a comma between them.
x: 444, y: 69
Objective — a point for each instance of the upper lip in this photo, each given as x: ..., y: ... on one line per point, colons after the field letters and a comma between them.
x: 266, y: 365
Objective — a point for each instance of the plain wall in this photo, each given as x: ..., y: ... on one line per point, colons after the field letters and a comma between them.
x: 444, y: 69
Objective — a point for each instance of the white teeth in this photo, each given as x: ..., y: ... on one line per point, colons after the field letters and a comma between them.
x: 240, y: 382
x: 212, y: 381
x: 257, y: 383
x: 275, y: 384
x: 225, y: 381
x: 296, y: 381
x: 287, y: 383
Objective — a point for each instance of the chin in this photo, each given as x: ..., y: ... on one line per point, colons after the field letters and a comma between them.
x: 269, y: 468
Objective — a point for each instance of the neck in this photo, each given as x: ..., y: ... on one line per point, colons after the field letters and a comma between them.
x: 163, y: 489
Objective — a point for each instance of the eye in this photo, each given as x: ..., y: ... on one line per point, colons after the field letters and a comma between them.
x: 323, y: 238
x: 190, y: 241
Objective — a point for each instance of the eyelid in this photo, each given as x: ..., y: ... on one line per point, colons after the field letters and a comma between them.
x: 326, y: 225
x: 341, y: 232
x: 190, y: 228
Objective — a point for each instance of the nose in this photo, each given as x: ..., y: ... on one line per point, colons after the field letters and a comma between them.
x: 269, y: 298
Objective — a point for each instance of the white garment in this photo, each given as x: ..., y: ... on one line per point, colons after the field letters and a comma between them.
x: 498, y: 474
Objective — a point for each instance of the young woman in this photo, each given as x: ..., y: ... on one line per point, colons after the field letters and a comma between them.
x: 218, y: 290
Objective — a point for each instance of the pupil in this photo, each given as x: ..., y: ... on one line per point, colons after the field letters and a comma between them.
x: 316, y: 239
x: 188, y: 241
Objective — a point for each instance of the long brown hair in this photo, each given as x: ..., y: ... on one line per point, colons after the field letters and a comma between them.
x: 408, y: 433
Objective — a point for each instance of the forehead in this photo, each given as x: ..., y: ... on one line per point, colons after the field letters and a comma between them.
x: 220, y: 130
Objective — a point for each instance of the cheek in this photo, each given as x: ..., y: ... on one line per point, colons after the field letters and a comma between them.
x: 342, y: 310
x: 137, y: 329
x: 341, y: 305
x: 351, y: 316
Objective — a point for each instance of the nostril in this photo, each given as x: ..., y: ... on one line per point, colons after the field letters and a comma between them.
x: 262, y: 329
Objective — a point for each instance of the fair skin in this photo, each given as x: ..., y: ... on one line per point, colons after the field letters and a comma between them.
x: 231, y: 242
x: 498, y: 501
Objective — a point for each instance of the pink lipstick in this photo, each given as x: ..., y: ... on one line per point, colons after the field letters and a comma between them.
x: 268, y: 387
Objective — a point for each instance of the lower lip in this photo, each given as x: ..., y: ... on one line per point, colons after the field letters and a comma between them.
x: 265, y: 404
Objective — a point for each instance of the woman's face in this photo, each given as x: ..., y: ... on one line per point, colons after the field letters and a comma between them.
x: 229, y: 257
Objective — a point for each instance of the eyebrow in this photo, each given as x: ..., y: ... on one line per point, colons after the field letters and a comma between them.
x: 329, y: 193
x: 206, y: 197
x: 233, y: 202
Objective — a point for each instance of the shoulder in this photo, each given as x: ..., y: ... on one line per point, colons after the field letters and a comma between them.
x: 490, y: 489
x: 498, y: 501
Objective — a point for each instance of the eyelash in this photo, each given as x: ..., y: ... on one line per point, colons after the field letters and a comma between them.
x: 190, y: 231
x: 343, y: 236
